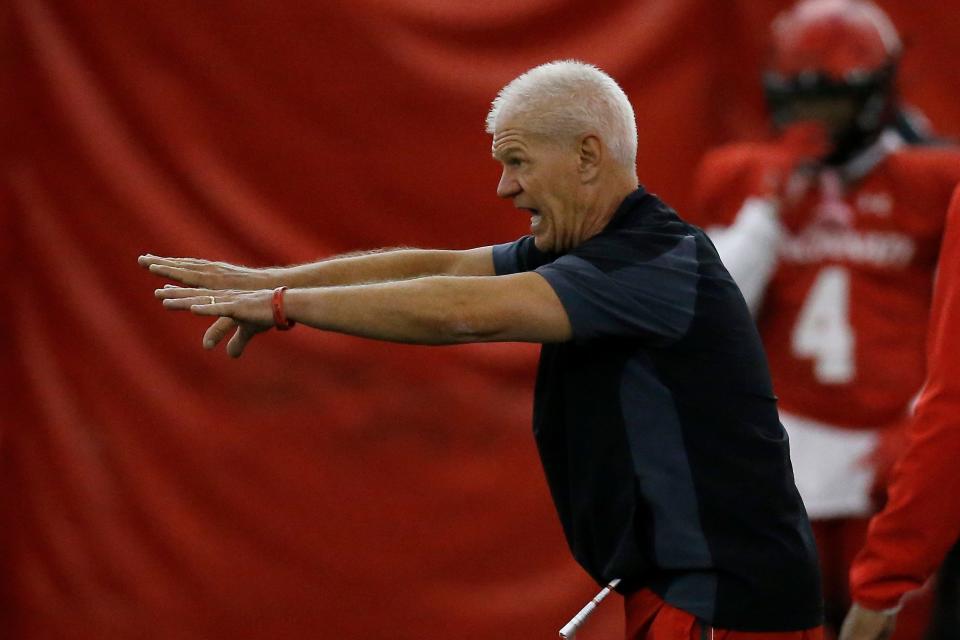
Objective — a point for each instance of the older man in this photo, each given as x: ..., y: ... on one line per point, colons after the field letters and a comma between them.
x: 653, y: 412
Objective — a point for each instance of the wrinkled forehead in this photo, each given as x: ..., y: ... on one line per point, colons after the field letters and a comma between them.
x: 513, y: 129
x: 510, y: 137
x: 527, y: 129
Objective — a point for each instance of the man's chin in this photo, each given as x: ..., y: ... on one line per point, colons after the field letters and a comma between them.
x: 543, y: 244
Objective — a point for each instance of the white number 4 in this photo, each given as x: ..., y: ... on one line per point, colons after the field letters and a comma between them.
x: 823, y: 330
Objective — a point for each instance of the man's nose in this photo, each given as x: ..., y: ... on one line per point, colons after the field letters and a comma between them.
x: 508, y: 186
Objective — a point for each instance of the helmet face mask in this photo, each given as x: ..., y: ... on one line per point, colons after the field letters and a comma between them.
x: 834, y: 61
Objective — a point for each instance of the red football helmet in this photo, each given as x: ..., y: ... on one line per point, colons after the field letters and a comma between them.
x: 834, y: 60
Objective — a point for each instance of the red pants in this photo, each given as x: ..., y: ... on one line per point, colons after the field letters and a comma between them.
x: 650, y: 618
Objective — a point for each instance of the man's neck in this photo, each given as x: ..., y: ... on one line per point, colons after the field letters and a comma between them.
x: 606, y: 199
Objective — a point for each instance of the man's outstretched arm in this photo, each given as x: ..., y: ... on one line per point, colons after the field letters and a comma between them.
x: 375, y: 266
x: 431, y: 310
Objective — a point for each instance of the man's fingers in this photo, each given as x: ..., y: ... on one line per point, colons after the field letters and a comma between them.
x: 181, y: 304
x: 217, y: 332
x: 203, y: 307
x: 170, y: 291
x: 866, y: 624
x: 147, y: 259
x: 237, y: 343
x: 240, y: 340
x: 180, y: 274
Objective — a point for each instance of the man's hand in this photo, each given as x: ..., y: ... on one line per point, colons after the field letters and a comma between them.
x: 196, y: 272
x: 250, y: 312
x: 790, y: 168
x: 867, y: 624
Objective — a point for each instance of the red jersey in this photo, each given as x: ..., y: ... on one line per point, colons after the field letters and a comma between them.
x: 908, y: 540
x: 845, y: 314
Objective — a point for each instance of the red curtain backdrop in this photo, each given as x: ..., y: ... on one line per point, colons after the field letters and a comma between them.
x: 321, y: 485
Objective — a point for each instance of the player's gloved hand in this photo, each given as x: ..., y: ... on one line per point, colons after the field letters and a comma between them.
x: 791, y: 169
x: 249, y: 312
x: 867, y: 624
x: 196, y: 272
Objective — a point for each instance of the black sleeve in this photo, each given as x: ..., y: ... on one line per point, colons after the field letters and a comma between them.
x: 518, y: 256
x: 636, y: 285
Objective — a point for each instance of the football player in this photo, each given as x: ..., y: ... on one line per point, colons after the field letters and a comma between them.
x: 832, y: 231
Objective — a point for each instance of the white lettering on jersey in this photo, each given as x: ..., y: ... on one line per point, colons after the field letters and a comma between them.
x: 873, y: 248
x: 823, y: 331
x: 879, y: 204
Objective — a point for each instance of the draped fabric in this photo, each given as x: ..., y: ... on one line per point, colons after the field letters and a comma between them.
x: 320, y: 485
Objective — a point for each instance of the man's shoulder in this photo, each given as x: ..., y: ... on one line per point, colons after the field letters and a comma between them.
x: 923, y: 175
x: 941, y: 161
x: 737, y: 159
x: 725, y: 177
x: 665, y: 243
x: 645, y: 217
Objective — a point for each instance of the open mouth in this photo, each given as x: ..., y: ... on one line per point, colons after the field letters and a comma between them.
x: 535, y: 216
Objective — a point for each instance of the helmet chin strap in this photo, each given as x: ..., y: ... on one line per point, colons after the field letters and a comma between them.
x: 873, y: 118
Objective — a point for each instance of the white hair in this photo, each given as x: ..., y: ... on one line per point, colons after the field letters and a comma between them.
x: 565, y: 99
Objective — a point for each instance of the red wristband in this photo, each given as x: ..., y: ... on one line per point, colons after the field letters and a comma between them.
x: 280, y: 320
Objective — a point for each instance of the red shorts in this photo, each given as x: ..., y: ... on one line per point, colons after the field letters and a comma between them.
x: 650, y: 618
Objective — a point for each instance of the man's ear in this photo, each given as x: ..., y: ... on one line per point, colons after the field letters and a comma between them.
x: 589, y: 155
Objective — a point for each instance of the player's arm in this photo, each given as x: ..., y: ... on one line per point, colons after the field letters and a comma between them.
x: 908, y: 540
x: 358, y: 268
x: 749, y: 248
x: 431, y: 310
x: 748, y: 242
x: 746, y: 233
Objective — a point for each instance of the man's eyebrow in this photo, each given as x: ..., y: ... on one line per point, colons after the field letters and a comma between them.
x: 505, y: 150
